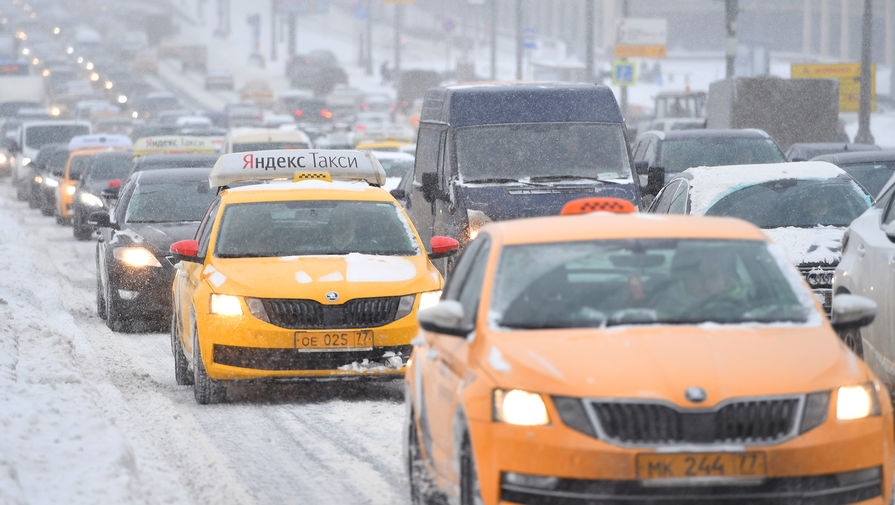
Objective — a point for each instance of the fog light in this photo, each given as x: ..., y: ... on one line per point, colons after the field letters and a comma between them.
x: 127, y: 295
x: 538, y: 481
x: 859, y: 476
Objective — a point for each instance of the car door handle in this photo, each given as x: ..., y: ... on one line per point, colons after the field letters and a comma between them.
x: 861, y: 250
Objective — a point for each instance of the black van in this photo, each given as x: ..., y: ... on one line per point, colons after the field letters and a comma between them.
x: 495, y: 151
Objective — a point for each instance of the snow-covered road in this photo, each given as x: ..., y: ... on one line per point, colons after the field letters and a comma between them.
x: 88, y: 416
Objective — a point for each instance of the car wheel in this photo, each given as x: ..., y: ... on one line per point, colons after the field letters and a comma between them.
x: 181, y: 368
x: 79, y: 229
x: 33, y: 202
x: 114, y: 319
x: 852, y: 339
x: 100, y: 300
x: 470, y: 494
x: 421, y: 485
x: 46, y: 208
x: 205, y: 389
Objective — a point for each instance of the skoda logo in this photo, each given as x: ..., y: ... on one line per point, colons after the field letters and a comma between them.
x: 332, y: 296
x: 695, y: 394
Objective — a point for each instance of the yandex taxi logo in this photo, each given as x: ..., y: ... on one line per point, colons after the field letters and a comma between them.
x: 286, y: 163
x: 311, y: 160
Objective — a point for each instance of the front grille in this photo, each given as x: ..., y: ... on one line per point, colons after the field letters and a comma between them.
x: 310, y: 314
x: 262, y: 358
x: 753, y: 421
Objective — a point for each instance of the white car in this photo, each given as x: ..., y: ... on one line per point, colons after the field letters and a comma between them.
x: 803, y: 206
x: 868, y: 269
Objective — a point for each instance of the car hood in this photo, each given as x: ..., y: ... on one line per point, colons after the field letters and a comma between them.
x: 351, y: 276
x: 661, y: 362
x: 158, y: 236
x: 809, y: 246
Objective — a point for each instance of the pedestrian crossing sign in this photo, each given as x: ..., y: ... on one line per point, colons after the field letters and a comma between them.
x: 624, y: 73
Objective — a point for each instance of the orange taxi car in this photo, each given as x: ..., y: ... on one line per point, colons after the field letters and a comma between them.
x: 82, y: 148
x: 319, y: 276
x: 607, y: 358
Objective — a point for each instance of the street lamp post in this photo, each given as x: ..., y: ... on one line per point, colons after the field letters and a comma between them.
x: 864, y: 136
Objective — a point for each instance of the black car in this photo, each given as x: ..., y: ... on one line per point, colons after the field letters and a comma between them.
x: 802, y: 151
x: 107, y: 170
x: 39, y: 171
x: 54, y: 170
x: 157, y: 161
x: 870, y: 168
x: 155, y: 209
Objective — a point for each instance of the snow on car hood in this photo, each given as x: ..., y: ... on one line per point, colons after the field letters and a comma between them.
x: 809, y: 246
x: 661, y: 362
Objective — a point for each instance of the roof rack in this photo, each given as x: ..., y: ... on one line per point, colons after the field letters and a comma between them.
x: 286, y: 163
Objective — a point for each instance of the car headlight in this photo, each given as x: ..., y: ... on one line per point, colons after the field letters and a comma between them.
x: 256, y: 309
x: 3, y: 158
x: 123, y: 99
x: 225, y: 305
x: 70, y: 190
x: 136, y: 257
x: 520, y: 407
x: 49, y: 181
x: 55, y: 110
x: 38, y: 179
x: 856, y: 402
x: 25, y: 160
x: 476, y: 219
x: 91, y: 200
x: 429, y: 299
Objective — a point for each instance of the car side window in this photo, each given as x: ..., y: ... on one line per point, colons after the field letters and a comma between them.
x: 120, y: 209
x: 650, y: 154
x: 637, y: 152
x: 471, y: 289
x: 678, y: 203
x: 662, y: 203
x: 203, y: 233
x: 464, y: 263
x: 890, y: 211
x: 426, y: 149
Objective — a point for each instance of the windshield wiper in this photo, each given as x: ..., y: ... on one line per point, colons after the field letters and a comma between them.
x: 502, y: 180
x: 560, y: 178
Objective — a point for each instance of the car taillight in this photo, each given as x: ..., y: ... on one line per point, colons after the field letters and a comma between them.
x: 364, y: 106
x: 326, y: 113
x: 298, y: 112
x: 361, y: 127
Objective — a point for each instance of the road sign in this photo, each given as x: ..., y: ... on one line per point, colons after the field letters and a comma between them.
x: 624, y: 73
x: 529, y: 38
x: 849, y: 77
x: 641, y: 38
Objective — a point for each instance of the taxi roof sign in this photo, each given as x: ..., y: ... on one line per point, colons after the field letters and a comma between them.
x: 287, y: 163
x: 174, y: 144
x: 598, y: 204
x: 79, y: 142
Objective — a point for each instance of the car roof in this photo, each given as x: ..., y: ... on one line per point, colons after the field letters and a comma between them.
x: 702, y: 133
x: 172, y: 174
x: 847, y: 158
x: 608, y: 226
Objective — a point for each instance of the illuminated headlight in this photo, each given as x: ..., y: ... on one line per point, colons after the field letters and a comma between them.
x: 70, y: 190
x: 26, y: 51
x: 256, y: 309
x: 69, y: 50
x: 109, y: 84
x: 57, y: 30
x: 91, y: 200
x: 35, y: 61
x: 89, y: 65
x: 429, y: 299
x: 46, y: 72
x: 3, y: 158
x: 476, y: 219
x: 38, y: 179
x: 520, y: 407
x: 225, y: 305
x: 405, y: 306
x: 55, y: 110
x: 123, y: 99
x: 136, y: 257
x: 135, y: 114
x: 94, y: 77
x: 25, y: 160
x: 856, y: 402
x: 80, y: 60
x: 50, y: 182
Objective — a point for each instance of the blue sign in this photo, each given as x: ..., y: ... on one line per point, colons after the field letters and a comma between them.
x: 624, y: 73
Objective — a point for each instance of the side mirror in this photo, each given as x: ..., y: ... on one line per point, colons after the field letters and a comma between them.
x: 443, y: 247
x: 398, y: 193
x: 59, y: 173
x: 655, y: 180
x: 431, y: 191
x: 99, y: 219
x: 445, y: 317
x: 186, y: 250
x: 852, y: 311
x: 641, y: 167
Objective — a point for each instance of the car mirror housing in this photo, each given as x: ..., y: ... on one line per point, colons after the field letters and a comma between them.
x: 100, y: 219
x: 397, y: 193
x: 852, y: 311
x: 445, y: 317
x: 443, y: 247
x: 186, y: 250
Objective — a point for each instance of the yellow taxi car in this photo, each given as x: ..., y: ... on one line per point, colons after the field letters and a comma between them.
x: 608, y: 358
x: 318, y: 276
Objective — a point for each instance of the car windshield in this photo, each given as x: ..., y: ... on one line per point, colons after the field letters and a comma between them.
x: 261, y: 146
x: 108, y: 168
x: 37, y: 136
x: 78, y: 165
x: 314, y: 227
x: 795, y: 202
x: 542, y: 150
x: 56, y: 163
x: 169, y: 202
x: 871, y: 175
x: 679, y: 155
x: 645, y: 281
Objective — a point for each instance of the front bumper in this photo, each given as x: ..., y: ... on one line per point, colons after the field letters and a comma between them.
x: 143, y: 292
x: 816, y: 467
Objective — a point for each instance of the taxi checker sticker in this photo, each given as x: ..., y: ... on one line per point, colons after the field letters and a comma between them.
x: 286, y: 163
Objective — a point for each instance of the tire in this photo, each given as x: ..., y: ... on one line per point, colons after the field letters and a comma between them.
x: 182, y: 375
x: 852, y: 339
x: 33, y: 202
x: 46, y: 208
x: 62, y: 221
x: 114, y: 319
x: 79, y: 229
x: 421, y: 485
x: 100, y: 300
x: 470, y: 494
x: 205, y: 389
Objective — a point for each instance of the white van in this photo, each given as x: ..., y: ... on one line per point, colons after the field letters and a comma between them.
x: 32, y: 136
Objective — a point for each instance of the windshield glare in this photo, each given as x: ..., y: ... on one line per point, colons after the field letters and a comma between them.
x: 169, y: 202
x: 542, y: 150
x: 679, y: 155
x: 317, y: 227
x: 792, y: 202
x: 642, y: 281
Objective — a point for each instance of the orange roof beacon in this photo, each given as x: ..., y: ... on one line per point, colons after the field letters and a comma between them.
x: 626, y: 358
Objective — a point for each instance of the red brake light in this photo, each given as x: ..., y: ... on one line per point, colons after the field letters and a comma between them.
x: 326, y: 113
x: 361, y: 127
x: 364, y: 106
x: 598, y: 204
x: 115, y: 183
x: 299, y: 112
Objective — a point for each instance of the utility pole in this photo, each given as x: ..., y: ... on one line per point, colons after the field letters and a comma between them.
x: 624, y: 90
x: 589, y: 20
x: 399, y: 11
x: 493, y: 40
x: 368, y: 57
x: 273, y: 30
x: 290, y: 28
x: 864, y: 136
x: 731, y: 10
x: 519, y: 47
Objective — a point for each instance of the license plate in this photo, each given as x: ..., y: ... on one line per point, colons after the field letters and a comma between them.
x: 701, y: 466
x: 316, y: 341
